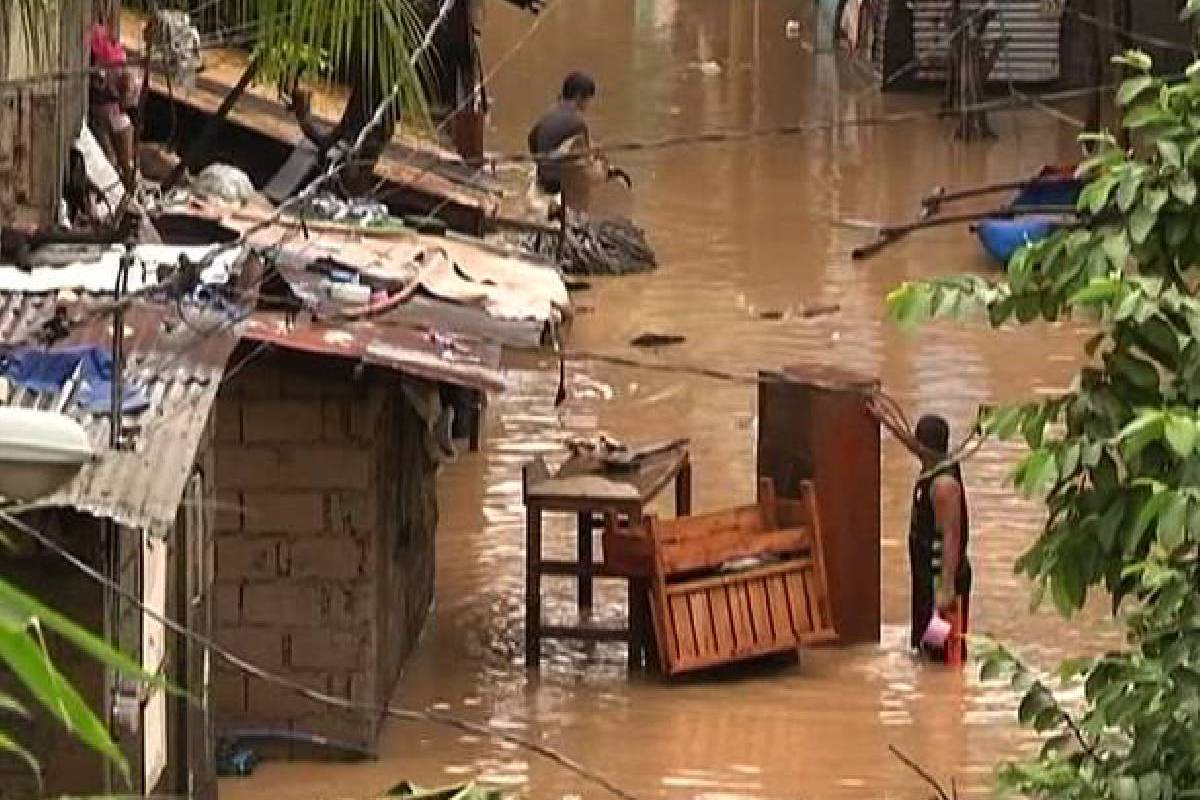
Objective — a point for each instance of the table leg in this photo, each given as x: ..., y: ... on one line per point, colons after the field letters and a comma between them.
x: 639, y: 608
x: 637, y: 622
x: 533, y: 587
x: 683, y: 490
x: 586, y: 563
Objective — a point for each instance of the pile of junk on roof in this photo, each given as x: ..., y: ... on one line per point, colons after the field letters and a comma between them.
x: 187, y: 266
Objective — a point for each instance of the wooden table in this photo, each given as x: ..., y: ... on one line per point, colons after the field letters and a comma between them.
x: 585, y: 487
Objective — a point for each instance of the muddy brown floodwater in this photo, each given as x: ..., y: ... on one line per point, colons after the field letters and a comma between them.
x: 740, y: 229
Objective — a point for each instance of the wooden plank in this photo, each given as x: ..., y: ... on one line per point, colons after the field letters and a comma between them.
x: 818, y: 603
x: 802, y: 614
x: 681, y: 623
x: 743, y: 627
x: 765, y: 630
x: 781, y: 609
x: 690, y: 555
x: 718, y: 603
x: 730, y: 579
x: 745, y: 518
x: 706, y: 642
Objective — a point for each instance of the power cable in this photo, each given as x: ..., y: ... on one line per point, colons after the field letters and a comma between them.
x: 253, y: 670
x: 1133, y: 36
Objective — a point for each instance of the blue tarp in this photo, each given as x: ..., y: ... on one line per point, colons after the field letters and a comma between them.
x: 47, y: 371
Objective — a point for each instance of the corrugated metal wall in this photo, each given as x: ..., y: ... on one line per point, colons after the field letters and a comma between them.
x: 40, y: 120
x: 1031, y: 56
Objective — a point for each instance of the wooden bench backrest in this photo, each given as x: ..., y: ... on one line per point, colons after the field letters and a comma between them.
x: 704, y: 542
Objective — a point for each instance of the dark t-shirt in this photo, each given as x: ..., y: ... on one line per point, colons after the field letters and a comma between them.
x: 556, y: 126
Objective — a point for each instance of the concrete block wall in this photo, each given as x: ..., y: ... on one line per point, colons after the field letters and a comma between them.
x: 309, y: 568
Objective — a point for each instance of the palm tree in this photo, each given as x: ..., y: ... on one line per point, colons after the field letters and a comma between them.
x: 367, y: 44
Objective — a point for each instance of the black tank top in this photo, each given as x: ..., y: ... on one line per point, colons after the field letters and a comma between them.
x: 929, y: 538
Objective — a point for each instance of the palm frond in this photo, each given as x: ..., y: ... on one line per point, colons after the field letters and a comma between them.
x: 373, y: 40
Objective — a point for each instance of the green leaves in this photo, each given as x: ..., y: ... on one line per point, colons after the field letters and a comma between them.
x: 1117, y: 458
x: 1135, y: 60
x: 1094, y: 196
x: 23, y: 650
x: 1036, y: 472
x: 1131, y: 89
x: 1181, y: 433
x: 30, y: 663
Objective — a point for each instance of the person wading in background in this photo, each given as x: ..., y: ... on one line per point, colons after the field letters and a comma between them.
x: 939, y: 533
x: 564, y: 121
x: 937, y: 541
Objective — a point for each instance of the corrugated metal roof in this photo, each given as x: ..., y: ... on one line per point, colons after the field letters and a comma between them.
x: 1032, y: 52
x: 139, y: 486
x: 425, y: 354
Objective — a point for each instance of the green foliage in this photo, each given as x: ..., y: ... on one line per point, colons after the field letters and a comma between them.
x: 335, y: 39
x: 373, y: 39
x: 1117, y: 458
x: 23, y: 651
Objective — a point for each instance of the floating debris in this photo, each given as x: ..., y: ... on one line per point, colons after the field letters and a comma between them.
x: 657, y: 340
x: 596, y: 247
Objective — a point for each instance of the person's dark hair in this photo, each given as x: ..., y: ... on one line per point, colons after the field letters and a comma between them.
x: 578, y: 86
x: 934, y: 432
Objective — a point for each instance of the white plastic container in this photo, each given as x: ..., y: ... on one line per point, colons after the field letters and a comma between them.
x: 348, y: 294
x: 39, y: 451
x: 937, y: 632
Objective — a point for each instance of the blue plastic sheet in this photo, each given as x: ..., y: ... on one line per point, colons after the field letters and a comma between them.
x: 47, y: 372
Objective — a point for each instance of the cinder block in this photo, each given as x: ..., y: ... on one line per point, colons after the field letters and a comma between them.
x: 262, y: 647
x: 324, y: 467
x: 333, y: 557
x: 281, y: 420
x: 271, y: 700
x: 284, y: 603
x: 229, y: 512
x: 227, y: 603
x: 259, y: 380
x: 240, y: 467
x: 366, y: 416
x: 350, y: 604
x: 247, y: 557
x: 327, y: 650
x: 228, y: 692
x: 284, y: 512
x: 335, y: 418
x: 351, y: 512
x: 228, y: 422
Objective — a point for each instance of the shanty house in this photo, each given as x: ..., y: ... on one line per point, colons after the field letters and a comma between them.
x: 297, y: 472
x: 142, y: 515
x: 327, y: 449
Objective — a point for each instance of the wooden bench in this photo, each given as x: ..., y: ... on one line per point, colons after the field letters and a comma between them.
x: 708, y: 611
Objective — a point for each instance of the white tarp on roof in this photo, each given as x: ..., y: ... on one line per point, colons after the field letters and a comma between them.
x: 98, y: 275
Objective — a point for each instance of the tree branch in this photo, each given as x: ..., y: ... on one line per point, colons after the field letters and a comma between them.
x: 917, y: 768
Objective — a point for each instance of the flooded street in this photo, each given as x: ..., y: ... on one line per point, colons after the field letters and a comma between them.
x: 740, y: 229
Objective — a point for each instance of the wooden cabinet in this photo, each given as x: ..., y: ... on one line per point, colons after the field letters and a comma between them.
x: 813, y: 426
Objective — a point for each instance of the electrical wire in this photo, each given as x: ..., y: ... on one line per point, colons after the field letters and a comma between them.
x: 253, y: 670
x: 1133, y: 36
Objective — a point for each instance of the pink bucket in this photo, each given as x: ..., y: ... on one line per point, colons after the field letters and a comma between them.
x: 937, y: 632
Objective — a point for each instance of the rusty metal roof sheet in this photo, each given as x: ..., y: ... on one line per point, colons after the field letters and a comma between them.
x: 139, y: 486
x: 425, y: 354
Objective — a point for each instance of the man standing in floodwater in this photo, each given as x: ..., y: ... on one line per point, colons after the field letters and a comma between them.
x: 562, y: 122
x: 939, y: 532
